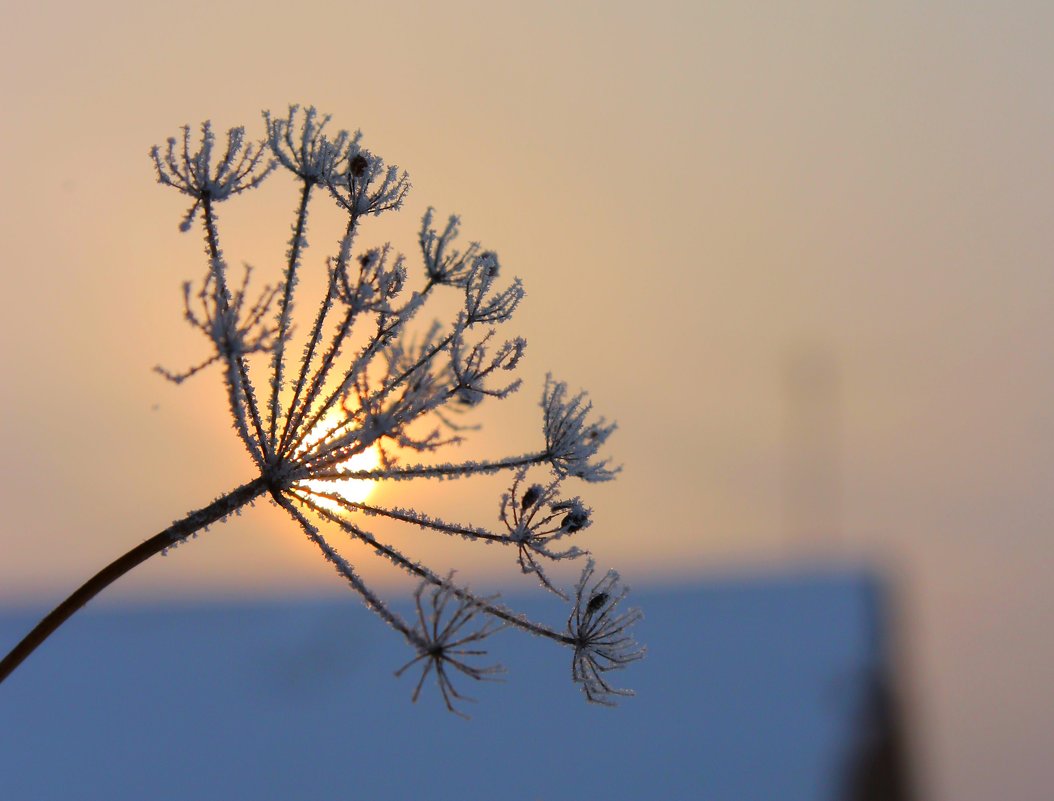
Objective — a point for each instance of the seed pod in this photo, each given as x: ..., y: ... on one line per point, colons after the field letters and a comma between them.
x: 574, y: 521
x: 531, y: 496
x: 358, y: 165
x: 596, y: 602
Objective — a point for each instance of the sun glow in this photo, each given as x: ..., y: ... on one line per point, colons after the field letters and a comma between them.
x: 355, y: 490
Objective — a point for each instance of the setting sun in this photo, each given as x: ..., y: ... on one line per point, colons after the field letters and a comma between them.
x: 355, y: 490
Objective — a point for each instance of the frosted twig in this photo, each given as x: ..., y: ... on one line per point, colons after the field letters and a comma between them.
x: 366, y: 384
x: 441, y: 642
x: 600, y: 635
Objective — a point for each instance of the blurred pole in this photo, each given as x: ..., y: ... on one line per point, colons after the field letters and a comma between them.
x: 811, y: 464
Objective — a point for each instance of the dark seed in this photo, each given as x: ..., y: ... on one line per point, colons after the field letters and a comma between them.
x: 531, y: 496
x: 358, y: 165
x: 596, y: 602
x: 574, y: 521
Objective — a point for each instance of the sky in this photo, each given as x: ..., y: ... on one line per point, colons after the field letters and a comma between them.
x: 800, y: 252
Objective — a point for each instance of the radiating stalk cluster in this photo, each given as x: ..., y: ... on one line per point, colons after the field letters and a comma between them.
x: 356, y: 378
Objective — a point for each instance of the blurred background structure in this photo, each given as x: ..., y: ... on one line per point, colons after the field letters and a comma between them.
x: 811, y: 479
x: 755, y: 688
x: 801, y: 252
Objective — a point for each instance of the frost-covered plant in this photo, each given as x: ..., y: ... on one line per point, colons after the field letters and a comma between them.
x: 364, y: 382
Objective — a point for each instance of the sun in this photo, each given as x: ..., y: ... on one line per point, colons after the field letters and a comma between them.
x: 355, y: 490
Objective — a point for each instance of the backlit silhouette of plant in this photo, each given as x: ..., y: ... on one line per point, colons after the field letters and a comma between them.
x: 364, y: 383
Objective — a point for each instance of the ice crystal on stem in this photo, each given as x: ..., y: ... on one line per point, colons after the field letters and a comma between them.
x: 537, y: 517
x: 572, y: 441
x: 443, y: 263
x: 240, y: 330
x: 352, y: 377
x: 600, y: 635
x: 443, y: 637
x: 307, y: 152
x: 241, y: 167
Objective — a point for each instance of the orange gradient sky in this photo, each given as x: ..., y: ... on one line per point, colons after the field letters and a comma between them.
x: 801, y: 252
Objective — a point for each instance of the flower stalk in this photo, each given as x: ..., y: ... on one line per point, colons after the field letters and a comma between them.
x: 366, y: 383
x: 194, y: 522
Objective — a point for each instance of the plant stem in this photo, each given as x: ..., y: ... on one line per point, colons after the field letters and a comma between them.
x: 214, y: 512
x: 278, y: 363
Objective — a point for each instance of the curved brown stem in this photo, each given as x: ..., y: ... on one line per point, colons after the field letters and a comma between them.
x: 215, y: 511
